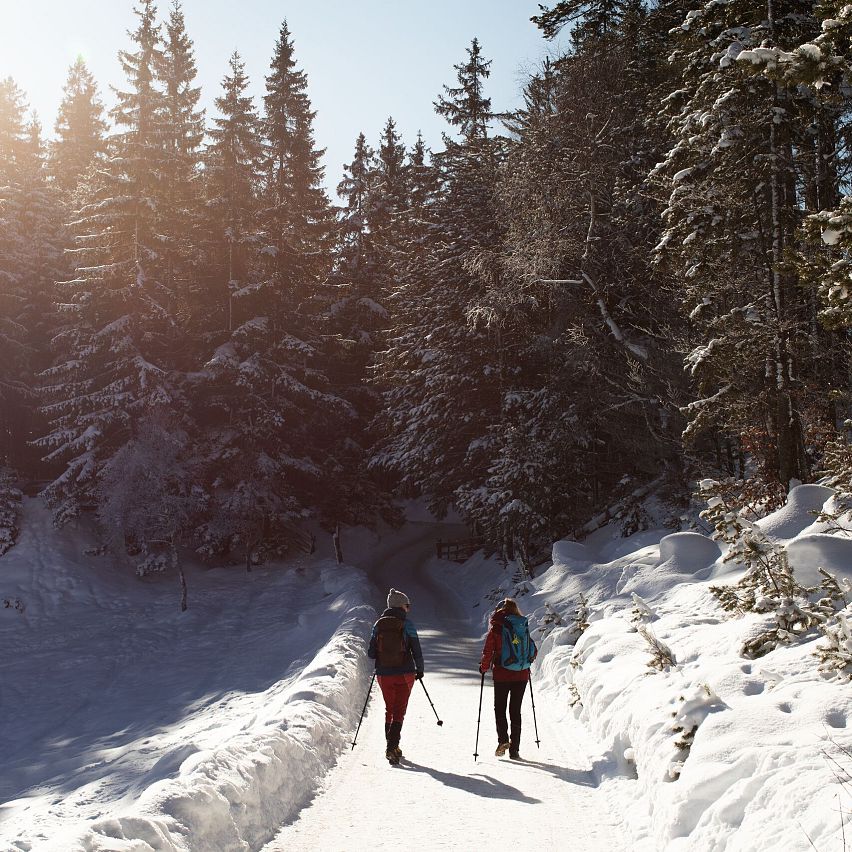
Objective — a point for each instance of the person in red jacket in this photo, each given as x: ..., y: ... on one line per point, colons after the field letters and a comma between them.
x: 511, y: 672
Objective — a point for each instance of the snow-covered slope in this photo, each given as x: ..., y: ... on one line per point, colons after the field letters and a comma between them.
x: 729, y: 753
x: 127, y: 725
x: 125, y: 722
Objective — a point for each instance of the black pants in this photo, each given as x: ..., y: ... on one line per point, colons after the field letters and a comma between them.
x: 513, y: 691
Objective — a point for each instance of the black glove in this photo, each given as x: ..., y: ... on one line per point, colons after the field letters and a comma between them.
x: 418, y: 674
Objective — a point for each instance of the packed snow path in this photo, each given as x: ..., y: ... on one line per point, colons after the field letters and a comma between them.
x: 439, y: 798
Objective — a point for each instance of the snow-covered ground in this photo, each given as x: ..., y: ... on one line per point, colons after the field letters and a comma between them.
x: 126, y: 725
x: 770, y: 745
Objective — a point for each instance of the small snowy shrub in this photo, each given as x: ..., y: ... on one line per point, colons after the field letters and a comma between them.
x: 10, y: 509
x: 99, y: 550
x: 551, y: 618
x: 769, y: 585
x: 634, y: 519
x: 579, y: 619
x: 641, y: 612
x: 662, y: 656
x: 581, y: 616
x: 693, y: 708
x: 155, y: 561
x: 836, y: 464
x: 574, y: 699
x: 835, y: 655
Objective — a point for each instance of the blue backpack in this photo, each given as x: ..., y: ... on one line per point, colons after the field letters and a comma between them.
x: 518, y: 649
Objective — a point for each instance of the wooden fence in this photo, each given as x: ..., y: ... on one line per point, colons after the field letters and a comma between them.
x: 459, y: 549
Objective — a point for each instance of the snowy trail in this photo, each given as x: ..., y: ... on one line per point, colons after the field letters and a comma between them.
x: 439, y: 798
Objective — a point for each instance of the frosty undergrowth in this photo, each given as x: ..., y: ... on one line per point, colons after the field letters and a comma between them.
x: 770, y: 586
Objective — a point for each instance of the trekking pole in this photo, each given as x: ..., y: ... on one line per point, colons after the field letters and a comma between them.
x: 430, y: 701
x: 479, y: 716
x: 535, y: 723
x: 372, y: 679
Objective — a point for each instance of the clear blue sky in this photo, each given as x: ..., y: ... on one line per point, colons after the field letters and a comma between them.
x: 365, y: 59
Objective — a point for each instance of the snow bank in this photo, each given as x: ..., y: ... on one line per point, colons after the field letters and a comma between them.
x: 803, y: 504
x: 689, y: 551
x: 234, y: 797
x: 810, y: 552
x: 147, y: 728
x: 725, y: 753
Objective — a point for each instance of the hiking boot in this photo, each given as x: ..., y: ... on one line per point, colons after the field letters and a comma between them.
x: 514, y: 755
x: 393, y: 755
x: 501, y: 749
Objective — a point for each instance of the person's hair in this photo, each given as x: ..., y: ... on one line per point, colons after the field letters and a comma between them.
x: 510, y: 605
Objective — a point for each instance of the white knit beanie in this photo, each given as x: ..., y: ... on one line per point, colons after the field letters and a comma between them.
x: 396, y: 598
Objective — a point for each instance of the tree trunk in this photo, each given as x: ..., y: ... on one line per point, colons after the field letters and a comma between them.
x: 183, y: 590
x: 792, y: 463
x: 338, y: 552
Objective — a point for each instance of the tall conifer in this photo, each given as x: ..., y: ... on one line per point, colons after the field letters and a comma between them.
x: 115, y: 360
x: 441, y: 375
x: 80, y: 129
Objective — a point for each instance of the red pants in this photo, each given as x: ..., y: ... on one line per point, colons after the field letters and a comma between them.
x: 395, y: 691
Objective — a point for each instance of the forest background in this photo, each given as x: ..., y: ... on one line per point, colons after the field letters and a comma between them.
x: 637, y: 279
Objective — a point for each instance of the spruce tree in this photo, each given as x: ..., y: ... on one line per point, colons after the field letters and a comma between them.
x: 30, y: 262
x: 237, y: 515
x: 115, y: 359
x: 741, y: 164
x: 14, y: 351
x: 274, y: 449
x: 80, y: 129
x: 183, y: 131
x: 297, y: 215
x: 356, y: 311
x: 232, y: 178
x: 439, y: 374
x: 389, y: 199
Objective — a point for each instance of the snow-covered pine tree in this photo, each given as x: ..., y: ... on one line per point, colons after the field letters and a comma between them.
x: 39, y: 213
x: 297, y: 214
x: 375, y: 193
x: 10, y: 509
x: 14, y: 302
x: 415, y: 224
x: 232, y: 174
x: 80, y: 129
x: 183, y: 132
x: 30, y: 262
x: 115, y: 360
x: 355, y: 312
x: 739, y: 176
x: 275, y: 446
x: 440, y: 376
x: 240, y: 500
x: 388, y: 202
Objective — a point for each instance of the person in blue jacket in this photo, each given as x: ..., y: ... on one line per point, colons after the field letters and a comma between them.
x: 395, y: 647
